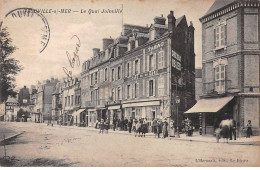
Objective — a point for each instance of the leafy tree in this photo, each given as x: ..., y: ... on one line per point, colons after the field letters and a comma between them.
x: 9, y: 67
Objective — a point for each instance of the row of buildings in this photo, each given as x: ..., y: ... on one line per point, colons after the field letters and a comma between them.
x: 149, y: 72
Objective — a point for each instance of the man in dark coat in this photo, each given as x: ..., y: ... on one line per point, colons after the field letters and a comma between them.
x: 130, y: 124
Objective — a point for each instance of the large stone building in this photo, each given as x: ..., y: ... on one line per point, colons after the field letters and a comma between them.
x: 43, y: 99
x: 230, y: 60
x: 141, y: 73
x: 71, y: 101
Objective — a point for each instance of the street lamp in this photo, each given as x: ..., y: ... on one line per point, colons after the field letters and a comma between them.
x: 177, y: 99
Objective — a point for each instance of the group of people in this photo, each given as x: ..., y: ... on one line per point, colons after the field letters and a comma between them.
x: 122, y: 124
x: 103, y: 126
x: 162, y: 127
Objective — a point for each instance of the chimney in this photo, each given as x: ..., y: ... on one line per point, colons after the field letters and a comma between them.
x: 95, y: 51
x: 159, y: 20
x: 107, y: 42
x: 171, y: 21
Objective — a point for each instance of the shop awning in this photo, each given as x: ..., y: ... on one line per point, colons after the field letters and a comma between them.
x: 153, y: 103
x: 78, y: 112
x: 113, y: 107
x: 210, y: 105
x: 92, y: 110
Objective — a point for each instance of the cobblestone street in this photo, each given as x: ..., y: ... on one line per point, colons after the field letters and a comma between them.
x: 43, y: 145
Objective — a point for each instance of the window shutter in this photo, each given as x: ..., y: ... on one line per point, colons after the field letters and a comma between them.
x: 147, y: 86
x: 137, y: 89
x: 115, y: 94
x: 154, y: 61
x: 130, y: 70
x: 130, y: 91
x: 139, y: 66
x: 134, y: 67
x: 147, y: 63
x: 162, y: 59
x: 125, y: 91
x: 215, y: 38
x: 154, y: 87
x: 225, y: 34
x: 125, y: 69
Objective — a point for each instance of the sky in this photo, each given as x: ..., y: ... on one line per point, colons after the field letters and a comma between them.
x: 26, y: 32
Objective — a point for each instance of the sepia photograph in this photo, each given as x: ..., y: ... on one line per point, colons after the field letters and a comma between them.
x: 120, y: 83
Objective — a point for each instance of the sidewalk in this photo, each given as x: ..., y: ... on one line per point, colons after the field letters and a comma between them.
x: 254, y: 140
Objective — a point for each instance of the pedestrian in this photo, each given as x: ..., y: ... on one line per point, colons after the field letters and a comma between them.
x: 233, y: 129
x: 118, y: 124
x: 125, y: 124
x: 107, y: 125
x: 114, y: 123
x: 101, y: 126
x: 138, y: 129
x: 130, y: 124
x: 172, y: 129
x: 144, y: 128
x: 159, y: 128
x: 249, y: 129
x: 165, y: 129
x: 134, y: 125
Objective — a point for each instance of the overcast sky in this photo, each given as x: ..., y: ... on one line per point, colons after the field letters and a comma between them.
x: 90, y: 28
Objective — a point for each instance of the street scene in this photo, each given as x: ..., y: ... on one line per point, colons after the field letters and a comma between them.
x: 68, y: 146
x: 113, y: 84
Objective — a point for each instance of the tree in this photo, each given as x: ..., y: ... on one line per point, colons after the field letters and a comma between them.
x: 9, y: 67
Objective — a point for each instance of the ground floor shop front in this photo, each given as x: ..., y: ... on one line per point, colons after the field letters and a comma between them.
x: 209, y: 112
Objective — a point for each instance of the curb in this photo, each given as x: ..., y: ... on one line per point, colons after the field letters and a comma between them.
x: 10, y: 138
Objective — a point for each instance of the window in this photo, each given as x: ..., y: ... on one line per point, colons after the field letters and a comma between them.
x: 128, y: 91
x: 65, y: 101
x: 161, y: 59
x: 220, y: 78
x: 91, y: 79
x: 113, y: 94
x: 129, y: 46
x: 151, y: 62
x: 128, y: 69
x: 220, y: 36
x: 79, y: 100
x: 95, y: 77
x: 119, y: 72
x: 136, y: 90
x: 106, y: 74
x: 136, y: 43
x: 136, y: 67
x: 72, y: 99
x: 161, y: 86
x: 92, y: 96
x: 69, y: 101
x: 151, y: 87
x: 113, y: 74
x: 119, y: 93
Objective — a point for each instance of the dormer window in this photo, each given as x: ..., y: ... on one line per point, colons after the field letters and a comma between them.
x: 152, y: 36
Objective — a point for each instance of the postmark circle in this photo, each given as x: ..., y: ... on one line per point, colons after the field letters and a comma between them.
x: 30, y: 12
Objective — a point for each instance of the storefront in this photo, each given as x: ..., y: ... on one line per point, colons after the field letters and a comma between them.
x: 79, y: 117
x: 211, y: 111
x: 146, y: 110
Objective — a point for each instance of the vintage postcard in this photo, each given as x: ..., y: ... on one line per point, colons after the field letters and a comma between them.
x: 120, y: 83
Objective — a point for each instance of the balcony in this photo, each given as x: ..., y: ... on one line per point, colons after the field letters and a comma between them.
x: 216, y: 87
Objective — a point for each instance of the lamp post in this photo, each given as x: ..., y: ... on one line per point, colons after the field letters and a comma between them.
x: 177, y: 99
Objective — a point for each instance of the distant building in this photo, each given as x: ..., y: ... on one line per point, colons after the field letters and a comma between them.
x: 2, y: 111
x: 11, y: 106
x: 57, y: 103
x: 43, y: 99
x: 24, y: 97
x: 230, y: 65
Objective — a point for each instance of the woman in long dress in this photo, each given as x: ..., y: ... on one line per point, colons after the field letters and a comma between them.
x: 172, y: 129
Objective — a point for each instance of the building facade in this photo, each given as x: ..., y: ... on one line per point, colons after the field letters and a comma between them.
x: 230, y: 66
x: 43, y: 99
x: 57, y: 103
x: 70, y: 98
x: 24, y: 97
x: 140, y: 73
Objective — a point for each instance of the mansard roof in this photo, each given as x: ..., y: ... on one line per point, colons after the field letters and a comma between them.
x: 217, y: 5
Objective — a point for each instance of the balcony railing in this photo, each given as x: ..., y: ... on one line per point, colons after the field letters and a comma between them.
x: 217, y: 87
